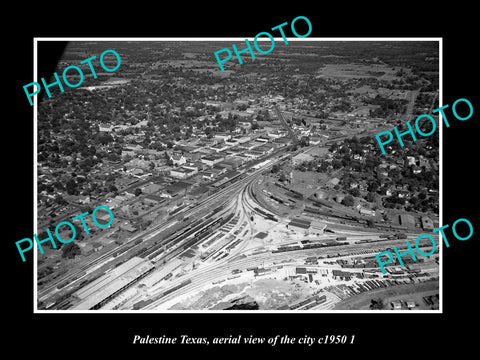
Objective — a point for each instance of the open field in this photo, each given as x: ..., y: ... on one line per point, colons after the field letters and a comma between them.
x: 350, y: 71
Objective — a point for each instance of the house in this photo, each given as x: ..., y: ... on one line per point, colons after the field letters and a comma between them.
x: 245, y: 124
x: 416, y: 169
x: 339, y: 198
x: 105, y: 127
x: 315, y: 140
x: 83, y: 199
x: 424, y: 162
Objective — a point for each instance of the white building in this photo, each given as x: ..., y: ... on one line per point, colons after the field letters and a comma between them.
x: 182, y: 173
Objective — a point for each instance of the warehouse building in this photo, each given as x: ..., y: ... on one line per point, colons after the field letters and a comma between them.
x: 407, y: 220
x: 96, y: 294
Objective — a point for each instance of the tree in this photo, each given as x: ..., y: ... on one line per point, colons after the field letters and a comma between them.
x: 376, y: 304
x: 348, y: 200
x: 304, y: 141
x: 138, y: 191
x: 209, y: 132
x: 60, y: 200
x: 70, y: 250
x: 370, y: 197
x: 105, y: 138
x: 373, y: 186
x: 275, y: 168
x: 355, y: 192
x: 71, y: 187
x: 242, y: 107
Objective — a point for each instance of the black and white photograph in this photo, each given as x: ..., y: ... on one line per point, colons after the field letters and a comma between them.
x: 260, y: 187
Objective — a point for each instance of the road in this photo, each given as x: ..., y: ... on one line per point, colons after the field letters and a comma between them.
x: 289, y: 129
x: 411, y: 96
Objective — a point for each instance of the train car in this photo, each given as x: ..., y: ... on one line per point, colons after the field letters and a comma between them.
x: 71, y: 279
x: 168, y: 276
x: 141, y: 252
x: 267, y: 192
x: 276, y: 199
x: 265, y: 214
x: 175, y: 288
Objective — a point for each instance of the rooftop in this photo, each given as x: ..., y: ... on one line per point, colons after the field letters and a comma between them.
x: 111, y: 282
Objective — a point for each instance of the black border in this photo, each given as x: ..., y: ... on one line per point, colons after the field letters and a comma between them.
x: 376, y: 334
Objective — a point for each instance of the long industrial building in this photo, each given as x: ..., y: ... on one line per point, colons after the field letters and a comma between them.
x: 105, y: 288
